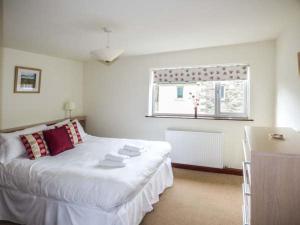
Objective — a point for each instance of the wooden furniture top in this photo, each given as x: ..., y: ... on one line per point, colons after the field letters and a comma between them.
x: 259, y: 140
x: 81, y: 119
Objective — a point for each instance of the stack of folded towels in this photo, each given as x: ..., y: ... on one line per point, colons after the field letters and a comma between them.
x: 116, y: 160
x: 131, y: 150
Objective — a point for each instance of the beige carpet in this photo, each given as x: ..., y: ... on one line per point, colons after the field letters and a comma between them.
x: 198, y: 198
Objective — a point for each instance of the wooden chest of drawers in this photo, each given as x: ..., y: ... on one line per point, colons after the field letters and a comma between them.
x: 271, y: 189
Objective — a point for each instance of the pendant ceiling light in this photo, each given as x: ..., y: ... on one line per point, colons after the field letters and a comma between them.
x: 107, y: 55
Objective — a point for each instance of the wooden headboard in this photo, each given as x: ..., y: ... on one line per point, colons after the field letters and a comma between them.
x: 81, y: 119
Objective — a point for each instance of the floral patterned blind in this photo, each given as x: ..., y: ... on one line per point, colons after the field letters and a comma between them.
x: 196, y: 74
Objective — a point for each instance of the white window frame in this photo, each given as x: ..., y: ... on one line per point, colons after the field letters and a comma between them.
x: 218, y: 114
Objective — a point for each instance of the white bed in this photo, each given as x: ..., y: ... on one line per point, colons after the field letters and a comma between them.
x: 71, y: 188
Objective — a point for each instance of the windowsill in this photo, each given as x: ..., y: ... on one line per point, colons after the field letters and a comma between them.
x: 201, y: 118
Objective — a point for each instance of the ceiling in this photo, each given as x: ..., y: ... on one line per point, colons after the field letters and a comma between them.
x: 72, y: 28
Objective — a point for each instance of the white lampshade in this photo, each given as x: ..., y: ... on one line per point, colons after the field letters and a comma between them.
x: 107, y: 55
x: 69, y: 106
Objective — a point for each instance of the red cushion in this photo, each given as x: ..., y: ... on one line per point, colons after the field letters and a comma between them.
x: 58, y: 140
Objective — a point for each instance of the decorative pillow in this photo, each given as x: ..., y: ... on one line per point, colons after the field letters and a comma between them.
x: 73, y: 132
x: 35, y: 145
x: 58, y: 140
x: 80, y: 129
x: 11, y: 145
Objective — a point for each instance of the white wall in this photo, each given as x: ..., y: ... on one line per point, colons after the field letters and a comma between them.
x: 61, y: 81
x: 116, y: 96
x: 288, y: 78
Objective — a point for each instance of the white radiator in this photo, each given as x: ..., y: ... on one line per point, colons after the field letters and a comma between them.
x: 201, y: 148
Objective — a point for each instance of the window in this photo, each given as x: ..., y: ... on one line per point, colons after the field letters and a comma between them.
x: 215, y: 97
x: 179, y: 91
x: 234, y: 98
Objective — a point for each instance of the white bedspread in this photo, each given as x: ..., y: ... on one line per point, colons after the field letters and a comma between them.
x: 74, y: 176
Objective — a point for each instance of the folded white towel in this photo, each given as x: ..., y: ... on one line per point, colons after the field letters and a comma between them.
x: 111, y: 164
x: 115, y: 157
x: 128, y: 152
x: 133, y: 148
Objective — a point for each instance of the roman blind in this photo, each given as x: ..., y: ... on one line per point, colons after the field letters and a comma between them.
x: 202, y: 73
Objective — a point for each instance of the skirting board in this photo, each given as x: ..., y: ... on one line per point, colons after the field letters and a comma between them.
x: 232, y: 171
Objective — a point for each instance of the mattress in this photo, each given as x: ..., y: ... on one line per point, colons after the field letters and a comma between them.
x: 74, y: 183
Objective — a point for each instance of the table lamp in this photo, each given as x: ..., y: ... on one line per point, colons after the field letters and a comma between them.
x: 69, y: 107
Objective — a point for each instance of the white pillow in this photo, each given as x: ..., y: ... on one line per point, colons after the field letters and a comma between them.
x: 5, y: 136
x: 11, y: 146
x: 59, y: 124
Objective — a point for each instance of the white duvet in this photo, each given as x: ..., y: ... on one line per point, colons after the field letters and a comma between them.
x: 75, y: 175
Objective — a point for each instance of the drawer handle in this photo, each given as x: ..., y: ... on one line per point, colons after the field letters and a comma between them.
x: 246, y: 175
x: 248, y: 193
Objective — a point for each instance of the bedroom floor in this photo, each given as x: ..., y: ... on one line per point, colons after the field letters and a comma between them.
x: 197, y: 198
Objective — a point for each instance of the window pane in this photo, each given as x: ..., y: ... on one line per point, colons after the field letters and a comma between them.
x: 170, y: 102
x: 177, y: 99
x: 206, y: 97
x: 232, y: 96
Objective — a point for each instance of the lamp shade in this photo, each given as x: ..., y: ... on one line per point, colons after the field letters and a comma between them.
x: 107, y: 54
x: 69, y: 106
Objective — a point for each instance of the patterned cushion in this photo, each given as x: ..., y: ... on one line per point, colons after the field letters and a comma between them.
x: 35, y: 145
x: 73, y: 132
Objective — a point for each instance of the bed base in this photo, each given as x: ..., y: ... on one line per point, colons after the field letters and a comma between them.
x: 23, y: 208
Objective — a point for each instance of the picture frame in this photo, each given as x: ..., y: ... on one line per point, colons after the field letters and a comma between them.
x: 27, y: 80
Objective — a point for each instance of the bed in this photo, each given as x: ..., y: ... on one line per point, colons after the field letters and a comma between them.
x: 71, y: 188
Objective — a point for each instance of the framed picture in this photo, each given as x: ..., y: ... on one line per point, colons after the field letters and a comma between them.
x: 27, y: 80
